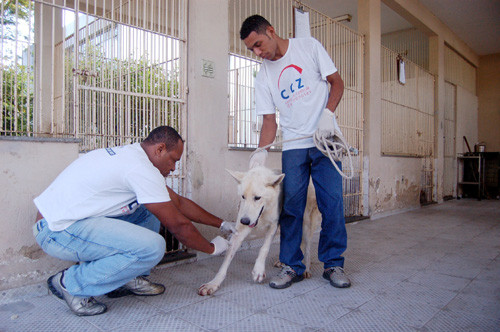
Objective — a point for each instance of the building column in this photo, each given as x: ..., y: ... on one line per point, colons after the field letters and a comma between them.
x: 436, y: 66
x: 369, y: 26
x: 207, y: 102
x: 48, y: 110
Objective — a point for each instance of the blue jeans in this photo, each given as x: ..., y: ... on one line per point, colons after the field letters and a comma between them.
x: 111, y: 251
x: 298, y: 165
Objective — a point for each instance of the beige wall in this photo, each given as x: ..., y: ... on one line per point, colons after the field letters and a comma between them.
x: 208, y: 108
x: 27, y: 168
x: 467, y: 116
x: 489, y: 101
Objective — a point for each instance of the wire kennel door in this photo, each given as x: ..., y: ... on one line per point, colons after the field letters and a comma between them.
x: 116, y: 70
x: 345, y: 47
x: 408, y: 116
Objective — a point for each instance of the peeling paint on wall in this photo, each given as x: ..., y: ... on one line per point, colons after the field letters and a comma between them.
x: 394, y: 196
x: 31, y: 252
x: 375, y: 185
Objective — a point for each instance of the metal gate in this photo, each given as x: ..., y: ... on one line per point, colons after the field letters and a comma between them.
x: 408, y: 116
x: 345, y: 47
x: 105, y: 72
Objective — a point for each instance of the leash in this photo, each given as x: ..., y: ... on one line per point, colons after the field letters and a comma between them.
x: 334, y: 147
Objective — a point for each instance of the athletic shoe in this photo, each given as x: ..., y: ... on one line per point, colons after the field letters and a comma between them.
x: 81, y: 306
x: 139, y: 286
x: 337, y: 277
x: 285, y: 278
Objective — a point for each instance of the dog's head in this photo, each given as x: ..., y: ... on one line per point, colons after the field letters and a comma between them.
x: 259, y: 189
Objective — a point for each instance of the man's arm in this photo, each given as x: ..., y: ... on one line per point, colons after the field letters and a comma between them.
x: 336, y: 90
x: 193, y: 211
x: 180, y: 226
x: 268, y: 130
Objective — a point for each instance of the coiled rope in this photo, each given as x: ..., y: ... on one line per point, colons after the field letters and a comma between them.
x: 334, y: 147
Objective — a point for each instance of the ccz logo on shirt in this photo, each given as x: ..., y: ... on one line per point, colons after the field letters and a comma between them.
x: 295, y: 81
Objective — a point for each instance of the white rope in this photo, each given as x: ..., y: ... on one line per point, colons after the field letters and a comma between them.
x: 335, y: 148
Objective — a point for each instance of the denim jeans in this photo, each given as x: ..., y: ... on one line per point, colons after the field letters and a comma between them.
x: 110, y: 251
x: 298, y: 165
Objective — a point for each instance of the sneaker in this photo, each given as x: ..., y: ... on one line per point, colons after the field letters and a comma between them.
x: 139, y: 286
x: 285, y: 278
x: 81, y: 306
x: 337, y: 277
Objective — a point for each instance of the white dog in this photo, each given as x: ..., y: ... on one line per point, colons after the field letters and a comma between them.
x: 260, y: 207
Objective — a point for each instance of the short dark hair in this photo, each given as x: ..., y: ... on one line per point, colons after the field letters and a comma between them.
x: 164, y: 134
x: 254, y: 23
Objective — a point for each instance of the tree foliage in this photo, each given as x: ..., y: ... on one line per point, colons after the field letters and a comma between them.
x: 13, y: 8
x: 17, y: 100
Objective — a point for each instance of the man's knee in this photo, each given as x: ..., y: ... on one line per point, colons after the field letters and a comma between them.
x: 154, y: 248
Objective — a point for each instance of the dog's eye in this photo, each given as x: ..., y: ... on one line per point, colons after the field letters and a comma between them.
x: 243, y: 196
x: 256, y: 198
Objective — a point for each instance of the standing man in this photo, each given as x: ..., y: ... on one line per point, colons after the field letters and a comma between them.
x: 104, y: 211
x: 294, y: 78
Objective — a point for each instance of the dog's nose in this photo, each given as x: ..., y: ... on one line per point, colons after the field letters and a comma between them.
x: 245, y: 221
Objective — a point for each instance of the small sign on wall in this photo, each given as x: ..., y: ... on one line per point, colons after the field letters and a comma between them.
x: 301, y: 26
x: 208, y: 68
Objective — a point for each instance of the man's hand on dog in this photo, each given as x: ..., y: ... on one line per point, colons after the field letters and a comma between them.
x: 228, y: 229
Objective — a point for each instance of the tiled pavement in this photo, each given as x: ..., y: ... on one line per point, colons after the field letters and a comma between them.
x: 432, y: 269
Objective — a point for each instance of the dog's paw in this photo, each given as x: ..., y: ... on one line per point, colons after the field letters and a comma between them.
x: 258, y: 275
x: 207, y: 289
x: 307, y: 274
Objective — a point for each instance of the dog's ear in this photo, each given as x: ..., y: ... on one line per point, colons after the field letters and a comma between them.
x: 275, y: 180
x: 237, y: 175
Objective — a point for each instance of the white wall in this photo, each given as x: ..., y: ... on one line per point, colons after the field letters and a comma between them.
x: 27, y: 168
x: 208, y: 109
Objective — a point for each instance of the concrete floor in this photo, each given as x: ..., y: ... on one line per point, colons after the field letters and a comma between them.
x: 432, y: 269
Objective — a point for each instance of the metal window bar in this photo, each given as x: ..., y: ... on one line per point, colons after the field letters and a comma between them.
x: 17, y: 68
x: 408, y: 116
x: 413, y: 43
x: 459, y: 71
x: 407, y: 110
x: 346, y: 48
x: 106, y: 72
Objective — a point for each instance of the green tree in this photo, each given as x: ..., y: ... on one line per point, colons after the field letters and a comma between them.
x: 17, y: 101
x: 16, y: 95
x: 11, y: 7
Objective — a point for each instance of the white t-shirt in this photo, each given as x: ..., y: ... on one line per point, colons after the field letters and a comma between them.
x: 105, y: 182
x: 295, y: 84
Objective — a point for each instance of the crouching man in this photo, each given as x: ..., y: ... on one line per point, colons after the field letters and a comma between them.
x: 104, y: 211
